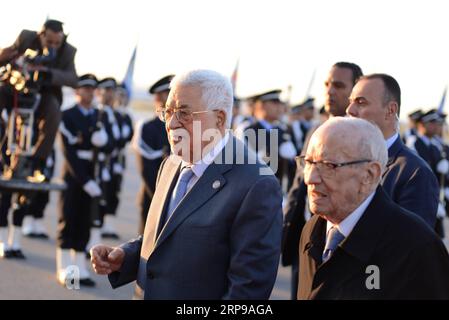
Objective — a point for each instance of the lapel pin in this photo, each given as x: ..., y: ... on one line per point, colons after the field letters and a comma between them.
x: 216, y: 184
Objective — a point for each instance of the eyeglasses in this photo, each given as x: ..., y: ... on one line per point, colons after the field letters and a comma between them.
x: 325, y: 168
x: 182, y: 115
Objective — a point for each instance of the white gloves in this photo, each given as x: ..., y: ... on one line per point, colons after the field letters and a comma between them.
x: 105, y: 175
x: 99, y: 138
x: 287, y: 150
x: 126, y: 131
x: 117, y: 168
x: 441, y: 212
x: 92, y: 189
x: 443, y: 166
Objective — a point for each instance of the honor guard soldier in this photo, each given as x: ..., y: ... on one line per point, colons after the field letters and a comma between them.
x: 301, y: 117
x: 267, y: 110
x: 438, y: 141
x: 151, y: 146
x: 106, y: 95
x: 84, y: 139
x: 118, y: 159
x: 410, y: 133
x: 125, y: 121
x: 424, y: 145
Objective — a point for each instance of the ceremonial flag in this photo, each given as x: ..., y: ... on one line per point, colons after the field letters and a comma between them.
x: 442, y: 102
x: 234, y: 76
x: 128, y: 79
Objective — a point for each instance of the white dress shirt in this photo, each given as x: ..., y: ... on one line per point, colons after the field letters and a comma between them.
x: 200, y: 166
x: 391, y: 140
x: 345, y: 227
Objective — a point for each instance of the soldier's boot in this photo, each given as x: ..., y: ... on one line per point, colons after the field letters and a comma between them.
x: 80, y: 262
x: 94, y: 239
x: 15, y: 237
x: 5, y: 252
x: 108, y: 230
x: 28, y: 226
x: 63, y: 262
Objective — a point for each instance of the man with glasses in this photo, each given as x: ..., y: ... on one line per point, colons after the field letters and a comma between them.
x: 359, y: 244
x: 407, y: 179
x: 214, y: 226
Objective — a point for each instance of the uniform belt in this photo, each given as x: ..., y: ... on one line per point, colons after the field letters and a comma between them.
x: 89, y: 154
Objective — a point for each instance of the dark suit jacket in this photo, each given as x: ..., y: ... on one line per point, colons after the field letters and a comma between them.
x: 413, y: 262
x: 410, y: 182
x: 222, y: 241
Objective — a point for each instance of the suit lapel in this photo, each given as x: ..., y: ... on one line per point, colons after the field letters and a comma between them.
x: 205, y: 188
x: 201, y: 192
x: 393, y: 152
x: 170, y: 170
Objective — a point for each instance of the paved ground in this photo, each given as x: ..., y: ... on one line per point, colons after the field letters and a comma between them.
x: 35, y: 277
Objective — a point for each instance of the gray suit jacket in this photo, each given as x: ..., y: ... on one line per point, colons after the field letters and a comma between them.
x: 222, y: 241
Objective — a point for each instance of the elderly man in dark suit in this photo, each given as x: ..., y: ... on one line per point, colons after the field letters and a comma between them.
x: 408, y: 180
x: 58, y: 71
x: 214, y: 226
x: 360, y: 244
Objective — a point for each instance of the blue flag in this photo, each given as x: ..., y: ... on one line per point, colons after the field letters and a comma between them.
x: 128, y: 79
x: 442, y: 102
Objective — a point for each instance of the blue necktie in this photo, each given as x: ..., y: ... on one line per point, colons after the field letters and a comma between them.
x: 179, y: 191
x: 334, y: 237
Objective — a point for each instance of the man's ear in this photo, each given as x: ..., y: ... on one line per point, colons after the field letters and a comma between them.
x: 392, y: 109
x: 221, y: 118
x: 373, y: 173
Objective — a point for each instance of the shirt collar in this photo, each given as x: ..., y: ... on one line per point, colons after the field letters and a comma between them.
x: 345, y: 227
x: 85, y: 111
x: 391, y: 140
x: 201, y: 165
x: 266, y: 124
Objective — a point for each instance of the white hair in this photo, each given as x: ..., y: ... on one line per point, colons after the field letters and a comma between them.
x: 216, y: 89
x: 371, y: 142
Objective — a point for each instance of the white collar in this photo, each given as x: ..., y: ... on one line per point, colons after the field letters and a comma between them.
x: 391, y: 140
x: 85, y: 111
x: 201, y: 165
x: 345, y: 227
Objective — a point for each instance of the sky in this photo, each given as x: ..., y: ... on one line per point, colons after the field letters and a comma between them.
x: 278, y: 43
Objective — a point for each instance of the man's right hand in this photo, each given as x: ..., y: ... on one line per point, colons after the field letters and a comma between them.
x: 105, y: 259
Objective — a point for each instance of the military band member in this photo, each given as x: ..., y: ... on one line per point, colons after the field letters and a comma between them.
x: 84, y: 139
x: 151, y: 145
x: 267, y: 110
